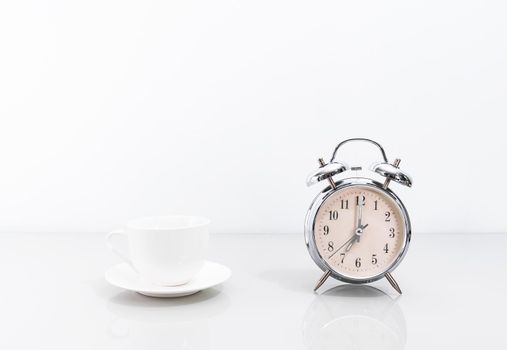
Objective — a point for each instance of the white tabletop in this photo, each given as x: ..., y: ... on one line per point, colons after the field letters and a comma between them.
x: 54, y: 296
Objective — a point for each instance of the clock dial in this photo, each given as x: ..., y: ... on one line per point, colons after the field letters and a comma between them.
x: 359, y: 232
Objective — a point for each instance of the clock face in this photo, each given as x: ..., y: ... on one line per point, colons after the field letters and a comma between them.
x: 360, y: 232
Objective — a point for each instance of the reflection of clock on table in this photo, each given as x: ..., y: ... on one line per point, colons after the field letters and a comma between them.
x: 354, y: 317
x: 357, y: 230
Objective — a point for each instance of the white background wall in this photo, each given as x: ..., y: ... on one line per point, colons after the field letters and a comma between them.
x: 112, y: 110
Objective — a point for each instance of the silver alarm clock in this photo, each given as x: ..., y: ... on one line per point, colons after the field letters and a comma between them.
x: 357, y: 230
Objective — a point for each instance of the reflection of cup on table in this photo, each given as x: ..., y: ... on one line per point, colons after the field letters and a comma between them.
x: 167, y: 323
x: 166, y: 250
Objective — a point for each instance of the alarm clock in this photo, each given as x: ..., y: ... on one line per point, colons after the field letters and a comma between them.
x: 357, y: 230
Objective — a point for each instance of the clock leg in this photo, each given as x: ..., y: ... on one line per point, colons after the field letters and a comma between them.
x: 393, y: 283
x: 322, y: 280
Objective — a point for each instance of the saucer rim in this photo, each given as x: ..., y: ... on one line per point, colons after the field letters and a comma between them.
x: 186, y: 288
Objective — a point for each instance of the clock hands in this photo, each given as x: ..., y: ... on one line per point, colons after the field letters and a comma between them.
x: 358, y: 231
x: 350, y: 241
x: 357, y: 236
x: 343, y: 245
x: 359, y: 227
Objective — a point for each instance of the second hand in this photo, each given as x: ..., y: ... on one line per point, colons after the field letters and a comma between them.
x: 343, y: 245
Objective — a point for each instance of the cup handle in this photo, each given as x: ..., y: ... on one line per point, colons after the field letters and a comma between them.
x: 115, y: 250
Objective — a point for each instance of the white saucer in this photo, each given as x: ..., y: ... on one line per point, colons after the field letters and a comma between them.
x: 211, y: 274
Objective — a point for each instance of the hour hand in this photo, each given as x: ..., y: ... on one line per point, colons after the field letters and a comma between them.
x: 358, y: 233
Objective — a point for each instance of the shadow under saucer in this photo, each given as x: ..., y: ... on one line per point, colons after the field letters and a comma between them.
x: 201, y: 305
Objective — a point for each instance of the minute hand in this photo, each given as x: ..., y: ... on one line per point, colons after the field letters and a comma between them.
x: 359, y: 216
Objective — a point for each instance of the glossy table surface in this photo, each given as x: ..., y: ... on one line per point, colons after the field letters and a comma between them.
x: 54, y: 296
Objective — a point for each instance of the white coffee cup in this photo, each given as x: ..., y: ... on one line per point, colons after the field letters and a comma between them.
x: 166, y: 250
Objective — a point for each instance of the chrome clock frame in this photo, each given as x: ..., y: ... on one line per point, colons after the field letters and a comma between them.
x: 319, y: 201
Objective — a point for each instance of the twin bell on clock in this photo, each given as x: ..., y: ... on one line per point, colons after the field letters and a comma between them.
x: 357, y: 229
